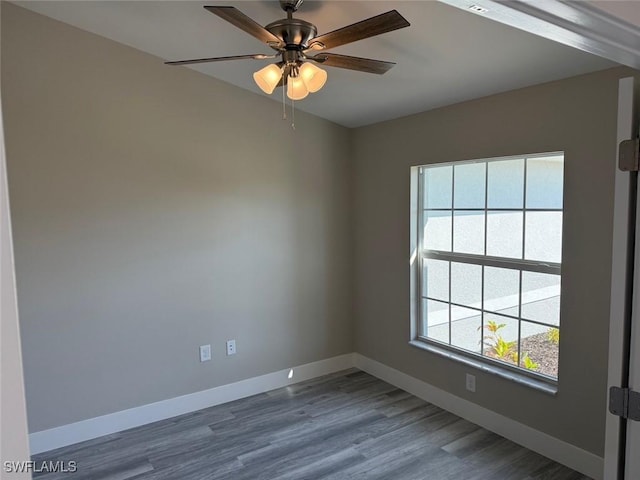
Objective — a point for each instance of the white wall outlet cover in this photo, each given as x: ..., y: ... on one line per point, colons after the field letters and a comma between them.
x: 471, y: 382
x: 231, y: 347
x: 205, y: 353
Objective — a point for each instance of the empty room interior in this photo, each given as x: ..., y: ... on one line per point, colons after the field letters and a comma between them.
x: 383, y: 243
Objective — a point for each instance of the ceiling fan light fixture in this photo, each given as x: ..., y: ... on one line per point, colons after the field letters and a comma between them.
x: 267, y: 78
x: 296, y: 89
x: 313, y: 77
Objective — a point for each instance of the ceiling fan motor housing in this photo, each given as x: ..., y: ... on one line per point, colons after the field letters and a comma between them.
x: 293, y: 32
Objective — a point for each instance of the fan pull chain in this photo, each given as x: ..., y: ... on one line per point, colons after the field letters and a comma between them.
x: 293, y: 114
x: 284, y: 102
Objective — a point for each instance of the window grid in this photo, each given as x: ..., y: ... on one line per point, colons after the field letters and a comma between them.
x: 524, y: 242
x: 492, y: 209
x: 492, y: 312
x: 451, y: 245
x: 520, y: 264
x: 486, y: 225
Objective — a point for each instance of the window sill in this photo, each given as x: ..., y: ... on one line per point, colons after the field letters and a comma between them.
x: 540, y: 385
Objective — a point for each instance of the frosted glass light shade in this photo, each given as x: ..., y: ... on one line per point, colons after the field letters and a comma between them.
x: 296, y: 89
x: 314, y: 78
x: 267, y: 78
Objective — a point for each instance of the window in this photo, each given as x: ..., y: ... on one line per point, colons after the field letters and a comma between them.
x: 488, y: 256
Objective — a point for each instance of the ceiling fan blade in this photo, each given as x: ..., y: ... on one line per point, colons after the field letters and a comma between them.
x: 383, y: 23
x: 258, y: 56
x: 352, y: 63
x: 240, y: 20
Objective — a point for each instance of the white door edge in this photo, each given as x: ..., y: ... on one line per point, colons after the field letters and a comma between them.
x: 632, y: 459
x: 619, y: 272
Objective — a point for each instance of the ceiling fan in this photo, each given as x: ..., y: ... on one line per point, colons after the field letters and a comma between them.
x: 299, y: 48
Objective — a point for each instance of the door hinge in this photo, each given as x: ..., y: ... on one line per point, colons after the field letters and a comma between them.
x: 629, y: 155
x: 624, y: 403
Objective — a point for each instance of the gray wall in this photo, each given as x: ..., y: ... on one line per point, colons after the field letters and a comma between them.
x: 577, y: 116
x: 157, y: 209
x: 14, y: 445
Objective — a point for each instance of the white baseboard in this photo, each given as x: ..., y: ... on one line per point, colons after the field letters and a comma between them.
x: 551, y: 447
x: 114, y: 422
x: 542, y: 443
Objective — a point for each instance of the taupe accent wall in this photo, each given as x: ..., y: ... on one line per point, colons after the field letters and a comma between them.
x: 156, y: 209
x: 577, y: 116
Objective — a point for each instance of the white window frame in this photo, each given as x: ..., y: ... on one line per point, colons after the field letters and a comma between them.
x: 515, y: 373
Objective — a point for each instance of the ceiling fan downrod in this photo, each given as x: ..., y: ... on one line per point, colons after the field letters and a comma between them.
x: 290, y: 6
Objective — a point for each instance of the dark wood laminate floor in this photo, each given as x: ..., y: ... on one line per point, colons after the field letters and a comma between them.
x: 348, y: 425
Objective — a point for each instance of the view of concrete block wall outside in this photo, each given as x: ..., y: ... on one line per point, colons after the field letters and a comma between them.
x: 509, y: 210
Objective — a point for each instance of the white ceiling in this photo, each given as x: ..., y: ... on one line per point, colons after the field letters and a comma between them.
x: 446, y: 56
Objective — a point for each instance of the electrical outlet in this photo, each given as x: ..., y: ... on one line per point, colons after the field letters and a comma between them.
x: 471, y: 382
x: 231, y: 347
x: 205, y: 353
